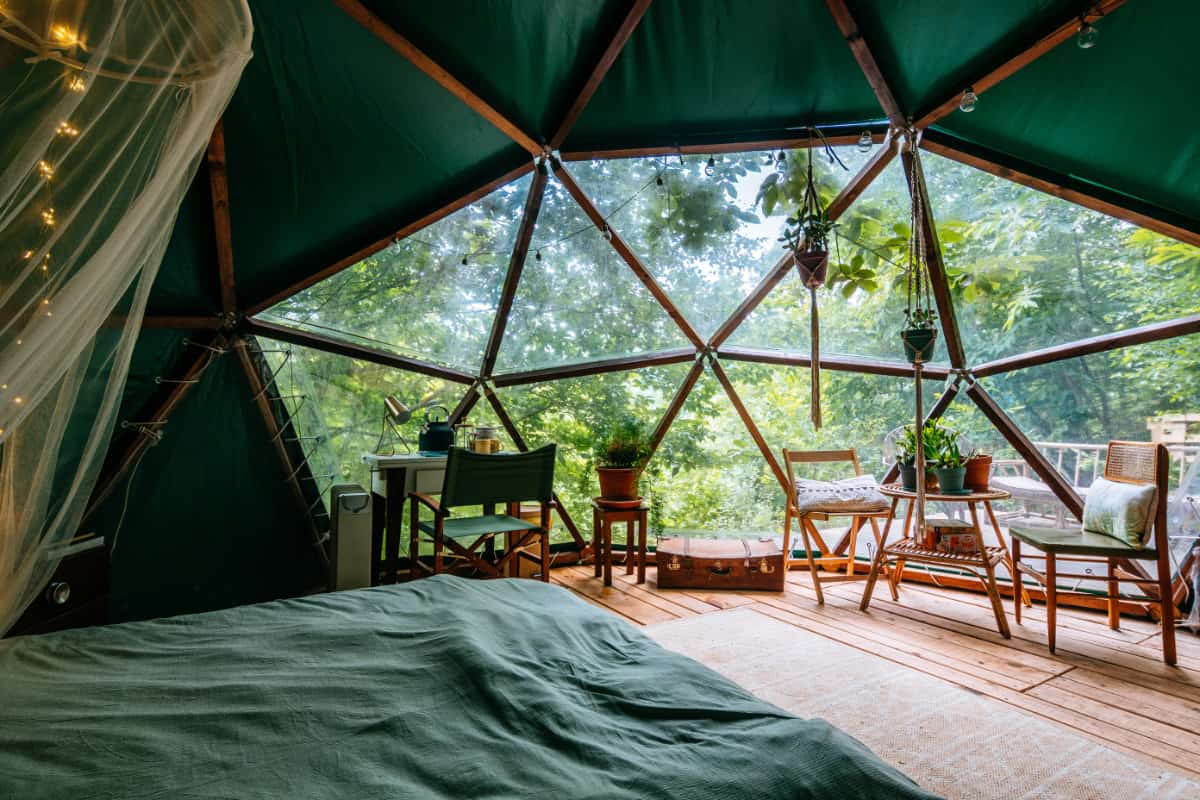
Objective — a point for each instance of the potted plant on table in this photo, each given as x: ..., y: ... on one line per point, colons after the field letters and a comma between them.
x: 948, y: 463
x: 620, y: 456
x: 979, y: 471
x: 906, y: 455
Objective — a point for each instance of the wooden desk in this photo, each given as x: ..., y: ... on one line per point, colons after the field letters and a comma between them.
x: 908, y: 549
x: 392, y: 478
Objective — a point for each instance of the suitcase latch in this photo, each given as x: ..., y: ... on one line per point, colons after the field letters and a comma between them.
x: 765, y: 567
x: 673, y: 565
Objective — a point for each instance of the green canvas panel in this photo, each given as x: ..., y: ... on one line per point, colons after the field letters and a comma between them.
x: 930, y: 49
x: 334, y: 140
x: 156, y: 353
x: 187, y: 281
x: 178, y: 551
x: 1116, y: 115
x: 527, y: 58
x: 727, y: 70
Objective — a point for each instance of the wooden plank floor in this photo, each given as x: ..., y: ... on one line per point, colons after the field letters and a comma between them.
x: 1108, y: 685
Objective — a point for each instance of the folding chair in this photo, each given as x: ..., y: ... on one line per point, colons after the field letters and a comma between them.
x: 809, y: 532
x: 1127, y: 462
x: 477, y: 479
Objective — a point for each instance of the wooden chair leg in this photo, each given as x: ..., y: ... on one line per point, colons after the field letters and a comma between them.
x: 855, y: 524
x: 606, y: 527
x: 812, y: 564
x: 545, y: 536
x: 787, y: 539
x: 1051, y: 599
x: 438, y: 542
x: 1167, y: 595
x: 414, y: 541
x: 630, y: 545
x: 641, y: 573
x: 1018, y: 585
x: 1114, y: 602
x: 887, y: 574
x: 597, y: 543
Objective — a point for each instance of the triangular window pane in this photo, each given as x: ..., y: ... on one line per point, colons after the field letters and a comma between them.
x: 577, y: 299
x: 1032, y: 271
x: 861, y: 307
x: 705, y: 238
x: 417, y: 297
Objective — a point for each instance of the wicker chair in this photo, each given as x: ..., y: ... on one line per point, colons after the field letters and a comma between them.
x: 809, y: 532
x: 1128, y: 462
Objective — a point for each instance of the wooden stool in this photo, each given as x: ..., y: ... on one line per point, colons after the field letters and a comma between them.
x: 603, y: 516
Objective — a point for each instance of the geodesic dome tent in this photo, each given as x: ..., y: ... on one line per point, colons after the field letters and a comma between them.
x: 547, y: 216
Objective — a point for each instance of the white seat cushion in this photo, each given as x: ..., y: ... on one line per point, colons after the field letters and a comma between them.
x: 859, y: 494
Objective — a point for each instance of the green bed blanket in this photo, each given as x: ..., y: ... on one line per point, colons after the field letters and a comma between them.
x: 442, y: 688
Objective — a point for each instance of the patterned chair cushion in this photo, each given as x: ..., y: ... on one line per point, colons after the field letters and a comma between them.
x: 1121, y: 510
x: 847, y: 496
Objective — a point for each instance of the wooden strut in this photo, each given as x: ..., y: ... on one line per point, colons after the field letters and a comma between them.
x: 516, y: 264
x: 1154, y: 332
x: 654, y: 359
x: 1064, y: 187
x: 267, y: 400
x: 676, y: 404
x: 738, y: 406
x: 866, y: 60
x: 329, y: 344
x: 628, y: 25
x: 218, y: 182
x: 390, y: 36
x: 937, y: 268
x: 837, y: 363
x: 464, y: 407
x: 402, y: 232
x: 158, y: 321
x: 1026, y: 54
x: 627, y: 254
x: 718, y: 147
x: 519, y: 442
x: 838, y: 206
x: 122, y: 457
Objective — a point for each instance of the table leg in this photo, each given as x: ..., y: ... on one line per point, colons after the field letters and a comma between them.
x: 898, y: 569
x: 880, y: 558
x: 414, y: 542
x: 990, y: 585
x: 1009, y: 562
x: 641, y: 525
x: 597, y: 543
x: 378, y: 520
x: 395, y: 522
x: 630, y: 544
x: 606, y: 526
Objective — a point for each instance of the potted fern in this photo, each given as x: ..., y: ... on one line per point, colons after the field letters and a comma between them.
x: 620, y: 457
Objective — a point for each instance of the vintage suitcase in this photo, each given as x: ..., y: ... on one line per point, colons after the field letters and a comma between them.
x: 688, y: 563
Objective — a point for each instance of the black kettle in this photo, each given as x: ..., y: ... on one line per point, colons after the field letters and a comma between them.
x: 436, y: 434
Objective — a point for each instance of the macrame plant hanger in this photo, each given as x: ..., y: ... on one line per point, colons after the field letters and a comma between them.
x: 810, y: 249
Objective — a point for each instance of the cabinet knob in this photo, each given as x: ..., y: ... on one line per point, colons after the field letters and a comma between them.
x: 58, y: 593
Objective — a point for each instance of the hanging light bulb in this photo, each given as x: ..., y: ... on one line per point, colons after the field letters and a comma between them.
x: 658, y: 181
x: 608, y: 234
x: 45, y: 170
x: 537, y: 255
x: 781, y: 162
x: 67, y: 129
x: 48, y: 218
x: 464, y: 261
x: 969, y: 100
x: 710, y: 168
x: 396, y: 248
x: 865, y: 142
x: 1087, y: 36
x: 76, y: 84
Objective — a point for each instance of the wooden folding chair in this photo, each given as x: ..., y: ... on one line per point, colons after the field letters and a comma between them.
x: 1127, y: 462
x: 829, y: 558
x: 476, y: 479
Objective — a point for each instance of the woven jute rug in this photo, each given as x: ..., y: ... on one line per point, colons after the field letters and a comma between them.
x: 949, y: 740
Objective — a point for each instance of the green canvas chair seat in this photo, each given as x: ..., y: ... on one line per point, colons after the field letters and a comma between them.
x: 1080, y: 542
x: 468, y: 543
x: 468, y: 527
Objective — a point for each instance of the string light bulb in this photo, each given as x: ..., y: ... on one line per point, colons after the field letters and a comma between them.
x: 608, y: 234
x: 67, y: 129
x: 76, y: 84
x: 28, y: 254
x: 864, y: 142
x: 968, y: 101
x: 45, y: 170
x: 710, y: 168
x: 48, y: 217
x: 64, y: 35
x: 658, y: 179
x: 537, y: 255
x: 781, y: 162
x: 464, y: 261
x: 1086, y: 38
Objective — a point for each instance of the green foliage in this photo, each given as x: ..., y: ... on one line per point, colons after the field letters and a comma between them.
x: 625, y: 446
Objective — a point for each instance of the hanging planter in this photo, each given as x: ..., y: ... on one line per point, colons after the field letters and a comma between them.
x: 919, y: 334
x: 919, y: 341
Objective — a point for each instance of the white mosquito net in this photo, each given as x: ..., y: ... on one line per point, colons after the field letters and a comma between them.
x: 106, y: 107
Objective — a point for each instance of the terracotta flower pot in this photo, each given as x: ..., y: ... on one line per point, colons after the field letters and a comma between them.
x: 919, y: 343
x: 812, y: 266
x: 979, y: 470
x: 617, y: 483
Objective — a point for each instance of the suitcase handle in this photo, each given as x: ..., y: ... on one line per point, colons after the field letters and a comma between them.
x: 720, y: 570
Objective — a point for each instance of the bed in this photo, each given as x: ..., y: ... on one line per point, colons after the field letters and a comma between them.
x: 441, y: 688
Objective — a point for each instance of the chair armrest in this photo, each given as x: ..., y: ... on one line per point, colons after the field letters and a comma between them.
x: 428, y: 502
